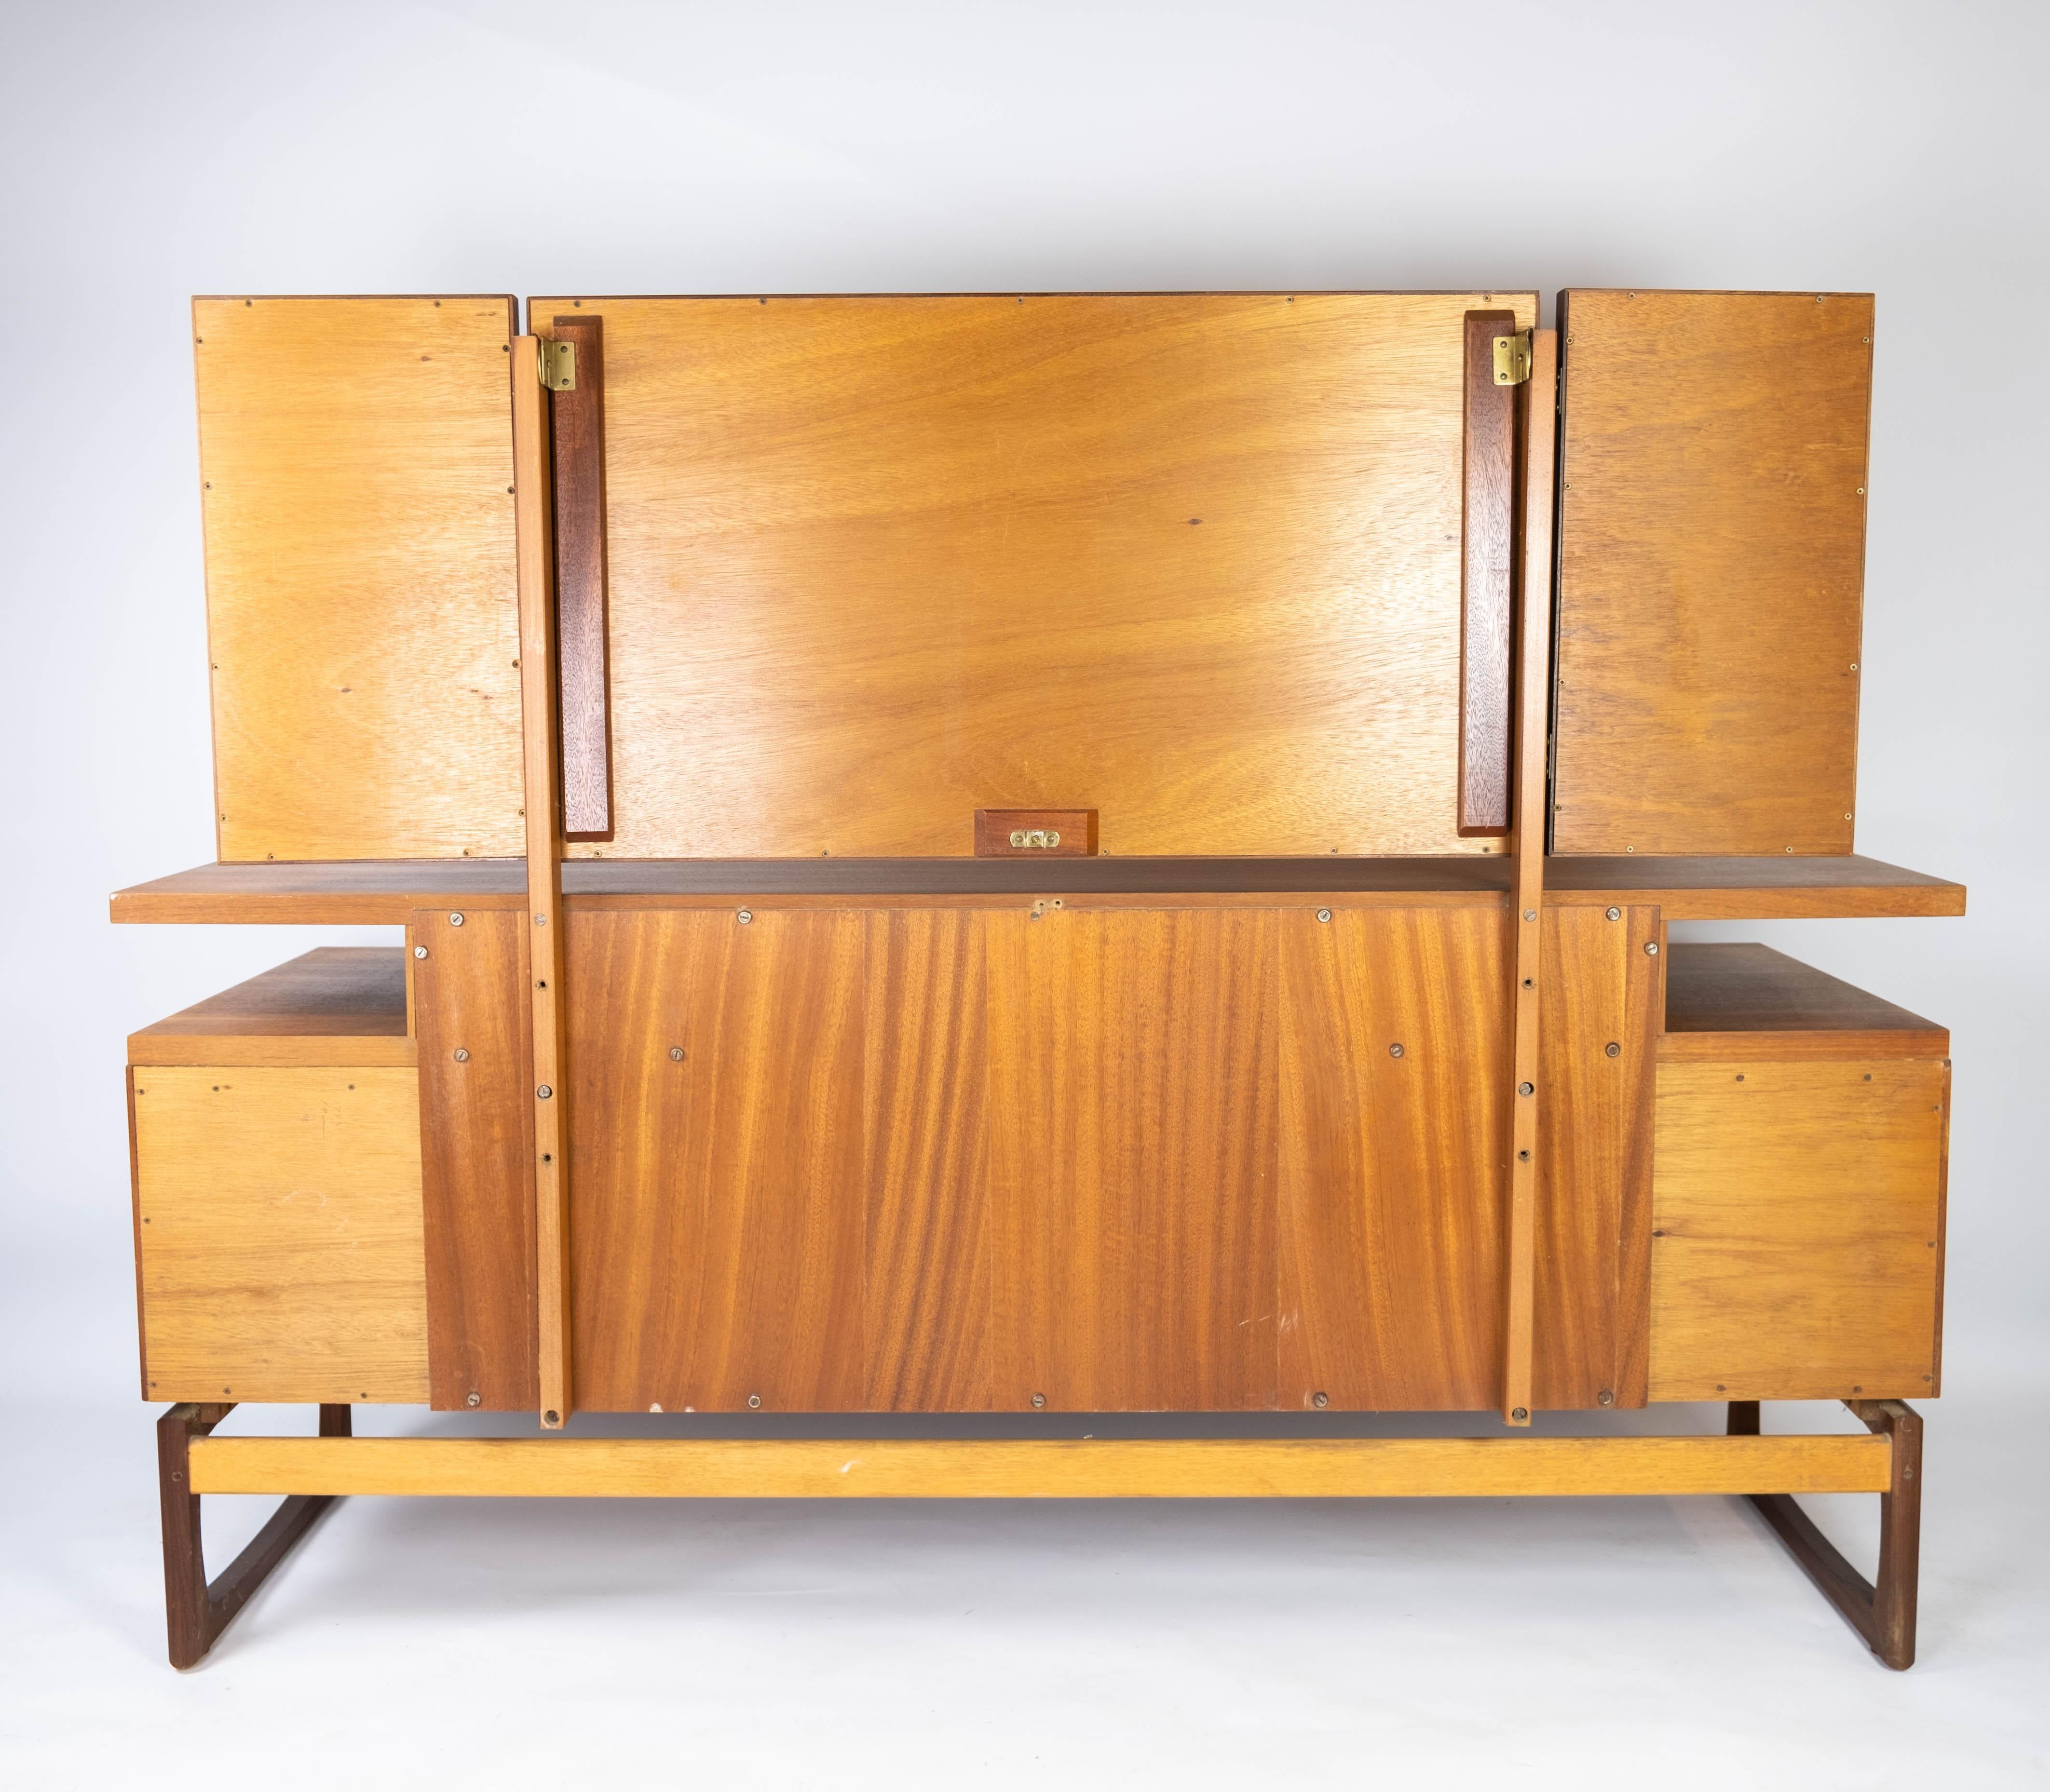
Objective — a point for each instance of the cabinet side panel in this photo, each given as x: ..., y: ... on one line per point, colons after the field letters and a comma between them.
x: 356, y: 465
x: 1711, y: 571
x: 477, y: 1135
x: 717, y: 1198
x: 279, y: 1217
x: 1395, y: 1053
x: 1797, y: 1229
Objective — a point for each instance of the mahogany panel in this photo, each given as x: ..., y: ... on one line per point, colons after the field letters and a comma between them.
x: 717, y: 1146
x: 1601, y: 992
x: 926, y: 1295
x: 1713, y: 480
x: 1133, y: 1156
x: 469, y: 997
x: 876, y: 562
x: 584, y: 718
x: 1489, y: 523
x: 1394, y: 1062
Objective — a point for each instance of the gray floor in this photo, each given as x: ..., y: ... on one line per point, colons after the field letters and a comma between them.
x: 518, y: 1643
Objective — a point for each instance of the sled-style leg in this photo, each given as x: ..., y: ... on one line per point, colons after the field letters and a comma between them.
x: 1884, y: 1615
x: 195, y: 1613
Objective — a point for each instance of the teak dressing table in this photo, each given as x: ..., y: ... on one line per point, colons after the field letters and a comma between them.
x: 1037, y: 854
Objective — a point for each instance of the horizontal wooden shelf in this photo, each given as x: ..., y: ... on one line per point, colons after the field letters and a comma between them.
x: 384, y: 892
x: 1790, y: 888
x: 676, y: 1468
x: 339, y: 1005
x: 1729, y: 1001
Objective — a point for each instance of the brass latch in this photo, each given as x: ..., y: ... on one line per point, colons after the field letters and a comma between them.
x: 1035, y: 839
x: 559, y: 364
x: 1512, y: 359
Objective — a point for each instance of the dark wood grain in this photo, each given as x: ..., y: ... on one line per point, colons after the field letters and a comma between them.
x: 1594, y: 1154
x: 1394, y: 1168
x: 476, y: 1166
x: 353, y: 991
x: 994, y: 828
x: 1485, y: 575
x: 1132, y: 1154
x: 926, y: 1297
x: 582, y: 646
x: 1729, y: 987
x: 717, y: 1208
x: 1774, y: 887
x: 365, y: 893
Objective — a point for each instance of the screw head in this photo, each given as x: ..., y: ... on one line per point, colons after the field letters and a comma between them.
x: 1615, y: 915
x: 455, y: 921
x: 544, y: 1092
x: 754, y: 1399
x: 1323, y: 914
x: 461, y: 1054
x: 1530, y: 914
x: 474, y: 1398
x: 1651, y: 948
x: 1519, y: 1413
x: 1395, y: 1050
x: 1527, y: 1088
x: 1038, y: 1399
x: 552, y: 1417
x: 419, y: 952
x: 1613, y: 1050
x: 676, y: 1052
x: 744, y: 917
x: 1605, y: 1398
x: 1320, y: 1401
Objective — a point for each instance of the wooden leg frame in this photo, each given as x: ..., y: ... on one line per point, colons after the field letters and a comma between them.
x: 1883, y: 1615
x: 311, y: 1472
x: 195, y: 1611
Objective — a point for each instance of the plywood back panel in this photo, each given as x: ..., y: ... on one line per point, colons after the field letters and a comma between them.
x: 1711, y: 571
x: 356, y: 461
x: 1192, y: 561
x: 1393, y: 1165
x: 1797, y: 1246
x: 279, y: 1225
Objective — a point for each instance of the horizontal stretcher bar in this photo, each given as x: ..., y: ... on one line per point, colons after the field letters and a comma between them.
x: 674, y: 1468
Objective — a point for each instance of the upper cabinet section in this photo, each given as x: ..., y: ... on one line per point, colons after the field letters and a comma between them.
x: 1192, y: 561
x: 356, y: 458
x: 1712, y: 478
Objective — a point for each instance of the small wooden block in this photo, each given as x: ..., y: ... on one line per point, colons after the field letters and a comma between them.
x: 1035, y: 833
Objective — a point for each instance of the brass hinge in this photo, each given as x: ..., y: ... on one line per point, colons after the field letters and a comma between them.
x: 559, y: 364
x: 1512, y: 359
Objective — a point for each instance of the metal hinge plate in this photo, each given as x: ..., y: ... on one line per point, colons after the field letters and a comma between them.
x: 1512, y: 359
x: 559, y: 364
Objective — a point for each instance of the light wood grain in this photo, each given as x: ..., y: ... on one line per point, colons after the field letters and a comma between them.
x: 926, y: 1102
x: 1132, y: 1158
x: 478, y: 1137
x: 1190, y: 560
x: 279, y: 1231
x: 1393, y: 1170
x: 335, y: 1005
x: 1797, y: 1229
x: 1594, y: 1211
x: 717, y: 1206
x: 1729, y: 1000
x: 355, y: 456
x: 1050, y: 1469
x: 1712, y: 568
x: 546, y: 997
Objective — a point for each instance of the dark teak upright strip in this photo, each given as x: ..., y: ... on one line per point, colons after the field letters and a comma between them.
x: 1488, y: 552
x: 579, y: 429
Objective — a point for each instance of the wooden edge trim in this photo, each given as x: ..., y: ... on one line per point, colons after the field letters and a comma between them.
x: 672, y: 1468
x: 576, y: 431
x: 1533, y: 646
x: 539, y: 733
x: 1804, y: 1047
x: 296, y: 908
x: 276, y: 1050
x: 1790, y: 902
x: 1068, y: 900
x: 1486, y: 573
x: 135, y: 1221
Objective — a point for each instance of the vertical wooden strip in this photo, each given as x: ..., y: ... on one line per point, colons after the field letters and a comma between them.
x: 926, y: 1292
x: 476, y: 1137
x: 1486, y: 572
x: 577, y: 419
x: 1533, y: 634
x: 549, y: 1178
x: 1644, y: 1020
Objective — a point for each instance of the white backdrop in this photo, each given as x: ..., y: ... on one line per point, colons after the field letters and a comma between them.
x: 154, y: 151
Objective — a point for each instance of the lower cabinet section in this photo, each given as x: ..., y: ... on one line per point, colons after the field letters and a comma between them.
x: 279, y: 1234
